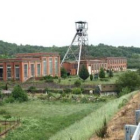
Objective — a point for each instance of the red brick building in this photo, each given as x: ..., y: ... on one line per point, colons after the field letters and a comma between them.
x: 94, y: 65
x: 28, y: 65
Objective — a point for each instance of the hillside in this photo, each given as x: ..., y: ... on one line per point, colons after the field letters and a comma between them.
x: 132, y: 53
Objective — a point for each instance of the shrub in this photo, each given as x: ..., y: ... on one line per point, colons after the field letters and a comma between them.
x: 43, y: 97
x: 102, y: 132
x: 2, y: 111
x: 46, y: 90
x: 67, y: 90
x: 59, y: 80
x: 47, y: 77
x: 49, y: 80
x: 77, y: 83
x: 91, y: 77
x: 7, y: 116
x: 124, y: 91
x: 104, y: 79
x: 19, y: 94
x: 63, y: 72
x: 83, y: 73
x: 76, y: 91
x: 32, y: 89
x: 128, y: 79
x: 9, y: 99
x: 84, y: 100
x: 102, y: 73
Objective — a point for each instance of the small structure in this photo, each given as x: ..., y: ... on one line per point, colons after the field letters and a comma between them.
x: 108, y: 89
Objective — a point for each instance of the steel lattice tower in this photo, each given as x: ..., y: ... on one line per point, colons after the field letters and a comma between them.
x: 77, y: 49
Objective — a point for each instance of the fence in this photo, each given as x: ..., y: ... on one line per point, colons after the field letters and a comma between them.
x: 6, y: 126
x: 132, y: 132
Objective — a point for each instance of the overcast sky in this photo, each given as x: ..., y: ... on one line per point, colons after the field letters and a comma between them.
x: 52, y: 22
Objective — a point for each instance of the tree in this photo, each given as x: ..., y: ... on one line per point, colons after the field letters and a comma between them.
x: 19, y: 94
x: 83, y: 73
x: 91, y: 77
x: 129, y: 79
x: 102, y: 73
x: 63, y: 72
x: 110, y: 73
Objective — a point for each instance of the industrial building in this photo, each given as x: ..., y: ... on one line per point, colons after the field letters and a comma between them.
x: 28, y: 65
x: 94, y: 65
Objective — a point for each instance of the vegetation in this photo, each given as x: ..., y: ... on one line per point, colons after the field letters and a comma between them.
x: 8, y: 50
x: 18, y: 94
x: 77, y: 83
x: 86, y: 127
x: 129, y: 79
x: 41, y: 119
x: 102, y: 73
x: 102, y: 132
x: 110, y: 73
x: 83, y: 73
x: 63, y: 72
x: 91, y: 77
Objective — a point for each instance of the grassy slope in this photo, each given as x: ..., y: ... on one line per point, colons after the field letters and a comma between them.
x: 42, y: 119
x: 85, y: 128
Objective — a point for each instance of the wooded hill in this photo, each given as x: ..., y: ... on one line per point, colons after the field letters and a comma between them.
x: 8, y: 50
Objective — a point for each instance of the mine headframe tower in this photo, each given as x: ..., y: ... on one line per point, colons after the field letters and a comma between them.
x: 77, y: 49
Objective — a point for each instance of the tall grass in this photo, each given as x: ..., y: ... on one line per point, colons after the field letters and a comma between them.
x: 85, y: 128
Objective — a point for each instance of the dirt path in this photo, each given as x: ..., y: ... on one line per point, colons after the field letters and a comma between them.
x: 125, y: 116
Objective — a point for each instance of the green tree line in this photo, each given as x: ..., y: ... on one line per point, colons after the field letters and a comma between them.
x: 132, y: 54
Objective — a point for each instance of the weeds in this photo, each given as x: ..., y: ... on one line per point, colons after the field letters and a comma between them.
x: 102, y: 132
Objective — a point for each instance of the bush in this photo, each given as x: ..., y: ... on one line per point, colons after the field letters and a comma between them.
x: 83, y: 73
x: 9, y: 99
x: 19, y: 94
x: 48, y: 77
x: 104, y: 79
x: 102, y: 73
x: 32, y: 89
x: 76, y: 91
x: 46, y: 90
x: 77, y: 83
x: 7, y: 116
x: 49, y: 80
x: 124, y: 91
x: 84, y: 100
x: 63, y: 72
x: 128, y: 79
x: 91, y: 77
x: 67, y: 90
x: 2, y: 111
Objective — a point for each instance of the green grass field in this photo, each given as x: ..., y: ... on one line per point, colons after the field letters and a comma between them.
x: 43, y: 119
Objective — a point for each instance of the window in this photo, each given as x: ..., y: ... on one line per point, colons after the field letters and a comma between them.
x: 56, y: 66
x: 8, y: 71
x: 1, y: 71
x: 17, y: 71
x: 50, y: 66
x: 44, y: 66
x: 32, y: 70
x: 38, y: 69
x: 25, y: 71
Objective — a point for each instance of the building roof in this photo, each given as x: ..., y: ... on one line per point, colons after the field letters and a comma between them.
x: 37, y: 54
